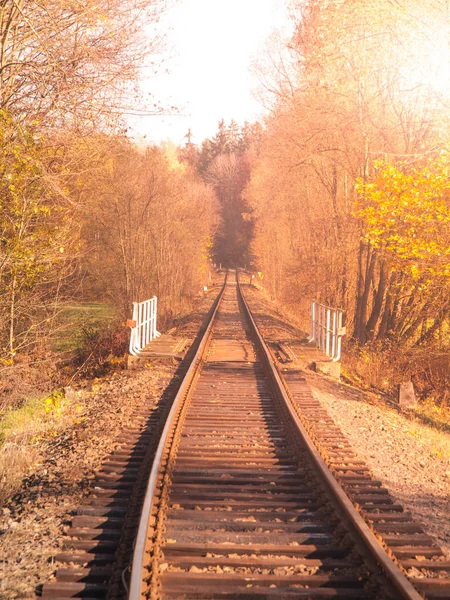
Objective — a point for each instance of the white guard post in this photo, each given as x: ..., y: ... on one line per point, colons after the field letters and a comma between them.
x: 327, y: 329
x: 143, y: 325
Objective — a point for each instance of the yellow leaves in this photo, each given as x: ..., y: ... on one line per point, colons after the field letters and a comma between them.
x: 77, y: 420
x: 49, y: 404
x: 413, y: 433
x: 404, y: 210
x: 415, y: 271
x: 6, y: 361
x: 174, y: 163
x: 53, y: 404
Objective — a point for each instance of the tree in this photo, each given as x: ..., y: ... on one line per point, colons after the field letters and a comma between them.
x: 405, y: 214
x: 358, y: 92
x: 224, y: 163
x: 38, y: 240
x: 228, y: 174
x: 72, y: 62
x: 379, y: 77
x: 148, y: 223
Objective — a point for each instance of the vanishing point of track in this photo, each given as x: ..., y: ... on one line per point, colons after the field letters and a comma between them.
x: 240, y: 504
x: 236, y: 508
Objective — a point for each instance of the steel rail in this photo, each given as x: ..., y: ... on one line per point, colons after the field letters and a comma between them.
x: 392, y: 572
x: 403, y: 588
x: 137, y: 584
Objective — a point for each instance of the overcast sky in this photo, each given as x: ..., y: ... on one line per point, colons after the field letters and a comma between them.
x: 211, y: 44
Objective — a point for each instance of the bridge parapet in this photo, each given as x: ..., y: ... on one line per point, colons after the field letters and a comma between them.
x: 327, y: 329
x: 143, y: 325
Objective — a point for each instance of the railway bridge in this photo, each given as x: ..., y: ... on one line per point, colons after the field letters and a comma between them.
x: 242, y: 486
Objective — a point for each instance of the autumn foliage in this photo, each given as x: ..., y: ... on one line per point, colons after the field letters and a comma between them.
x: 404, y: 211
x: 87, y: 215
x: 350, y: 192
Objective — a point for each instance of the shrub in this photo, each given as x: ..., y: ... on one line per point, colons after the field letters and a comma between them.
x: 383, y: 366
x: 99, y: 349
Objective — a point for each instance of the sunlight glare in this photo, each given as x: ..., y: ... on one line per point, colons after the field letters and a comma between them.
x: 432, y: 67
x: 213, y: 43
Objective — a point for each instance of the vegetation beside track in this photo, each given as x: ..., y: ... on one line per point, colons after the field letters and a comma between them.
x: 46, y: 468
x: 47, y: 472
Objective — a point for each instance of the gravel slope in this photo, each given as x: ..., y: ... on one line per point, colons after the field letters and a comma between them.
x: 410, y: 458
x: 34, y: 520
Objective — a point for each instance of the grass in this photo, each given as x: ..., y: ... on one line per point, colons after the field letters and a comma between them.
x: 15, y: 460
x: 75, y: 318
x: 18, y: 428
x: 22, y: 431
x: 36, y: 417
x: 433, y: 415
x: 17, y: 424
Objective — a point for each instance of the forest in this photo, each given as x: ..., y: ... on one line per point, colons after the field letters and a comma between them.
x: 340, y: 194
x: 351, y: 187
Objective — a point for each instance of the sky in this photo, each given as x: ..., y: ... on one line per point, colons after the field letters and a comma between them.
x: 211, y: 45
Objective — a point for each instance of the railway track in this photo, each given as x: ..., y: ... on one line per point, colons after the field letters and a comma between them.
x: 241, y: 504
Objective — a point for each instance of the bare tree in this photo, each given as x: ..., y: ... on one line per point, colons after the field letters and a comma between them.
x: 148, y: 225
x: 72, y: 62
x: 360, y: 92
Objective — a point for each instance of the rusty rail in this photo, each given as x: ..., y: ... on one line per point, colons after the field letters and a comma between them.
x: 403, y: 588
x: 137, y: 586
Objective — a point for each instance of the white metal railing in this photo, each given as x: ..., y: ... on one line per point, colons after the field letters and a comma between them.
x: 327, y: 329
x: 143, y: 324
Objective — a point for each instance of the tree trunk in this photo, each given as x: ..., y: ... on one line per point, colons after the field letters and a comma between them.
x: 364, y: 285
x: 378, y: 302
x: 428, y: 334
x: 12, y: 317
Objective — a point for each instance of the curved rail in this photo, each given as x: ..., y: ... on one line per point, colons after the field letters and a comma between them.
x: 402, y: 587
x: 401, y: 584
x: 136, y: 590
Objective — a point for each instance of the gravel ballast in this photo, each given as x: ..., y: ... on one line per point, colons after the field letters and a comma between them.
x: 411, y: 459
x: 34, y: 520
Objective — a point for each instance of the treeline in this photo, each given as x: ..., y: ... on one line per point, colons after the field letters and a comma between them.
x: 147, y: 227
x: 86, y: 214
x: 351, y: 191
x: 223, y: 163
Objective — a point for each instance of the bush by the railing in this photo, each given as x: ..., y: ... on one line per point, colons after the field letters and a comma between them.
x: 430, y: 373
x: 383, y: 366
x: 99, y: 349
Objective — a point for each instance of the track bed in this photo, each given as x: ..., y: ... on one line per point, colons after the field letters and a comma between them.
x: 239, y: 505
